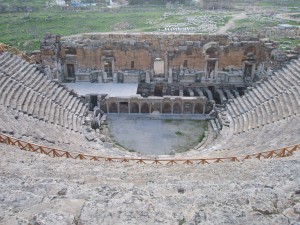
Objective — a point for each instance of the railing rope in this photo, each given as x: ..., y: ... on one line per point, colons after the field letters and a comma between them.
x: 54, y: 153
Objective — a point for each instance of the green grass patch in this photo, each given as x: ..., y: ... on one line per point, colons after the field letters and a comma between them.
x: 179, y: 133
x: 201, y: 137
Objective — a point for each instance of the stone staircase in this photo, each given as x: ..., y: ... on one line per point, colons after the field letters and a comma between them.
x: 24, y: 88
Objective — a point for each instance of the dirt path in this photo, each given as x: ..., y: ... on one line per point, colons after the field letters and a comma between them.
x: 287, y: 16
x: 231, y: 24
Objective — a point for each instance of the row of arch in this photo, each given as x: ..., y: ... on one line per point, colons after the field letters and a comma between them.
x: 161, y: 107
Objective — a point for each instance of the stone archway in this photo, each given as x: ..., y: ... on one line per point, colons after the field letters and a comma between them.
x: 134, y: 107
x: 187, y: 108
x: 123, y: 107
x: 145, y: 108
x: 167, y: 108
x: 198, y: 108
x: 113, y: 107
x: 177, y: 108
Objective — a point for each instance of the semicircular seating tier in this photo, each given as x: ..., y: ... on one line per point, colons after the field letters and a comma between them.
x: 266, y: 117
x: 24, y: 88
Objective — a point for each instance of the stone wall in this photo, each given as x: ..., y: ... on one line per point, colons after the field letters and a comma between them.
x: 178, y: 51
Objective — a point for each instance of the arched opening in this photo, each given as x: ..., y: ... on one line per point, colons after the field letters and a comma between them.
x: 212, y: 52
x: 113, y: 107
x: 198, y: 108
x: 177, y: 108
x: 123, y: 107
x: 187, y: 108
x: 155, y: 107
x: 134, y: 108
x: 167, y: 108
x: 145, y: 108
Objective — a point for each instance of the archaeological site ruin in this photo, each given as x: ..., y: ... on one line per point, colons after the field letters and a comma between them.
x: 56, y: 106
x: 175, y: 73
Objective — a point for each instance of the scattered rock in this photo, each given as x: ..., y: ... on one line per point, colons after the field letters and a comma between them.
x: 89, y: 137
x: 102, y: 138
x: 62, y: 192
x: 88, y: 130
x: 181, y: 190
x: 49, y: 218
x: 297, y: 208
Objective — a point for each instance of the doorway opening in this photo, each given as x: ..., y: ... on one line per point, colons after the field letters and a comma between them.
x: 93, y: 102
x: 108, y: 68
x: 71, y: 70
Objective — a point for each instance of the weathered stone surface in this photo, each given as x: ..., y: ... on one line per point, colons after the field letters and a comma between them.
x: 252, y: 192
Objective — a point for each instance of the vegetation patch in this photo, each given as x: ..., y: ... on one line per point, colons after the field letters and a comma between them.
x: 201, y: 137
x: 168, y: 120
x: 179, y: 133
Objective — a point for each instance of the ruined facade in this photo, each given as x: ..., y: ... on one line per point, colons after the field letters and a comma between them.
x: 212, y: 67
x: 216, y: 4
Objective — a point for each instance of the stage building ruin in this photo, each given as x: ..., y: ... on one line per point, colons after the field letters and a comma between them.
x: 176, y: 73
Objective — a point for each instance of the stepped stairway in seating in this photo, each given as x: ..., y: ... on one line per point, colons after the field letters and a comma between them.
x: 24, y: 88
x: 265, y: 117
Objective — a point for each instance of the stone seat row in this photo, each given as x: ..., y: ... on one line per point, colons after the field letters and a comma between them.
x: 259, y: 95
x: 24, y: 99
x: 29, y: 91
x: 268, y: 102
x: 27, y: 128
x: 282, y: 106
x: 38, y: 82
x: 270, y: 136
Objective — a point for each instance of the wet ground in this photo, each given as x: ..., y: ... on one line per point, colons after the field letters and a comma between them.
x: 155, y: 135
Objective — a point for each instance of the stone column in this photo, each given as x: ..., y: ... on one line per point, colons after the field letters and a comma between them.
x: 113, y: 67
x: 243, y: 68
x: 203, y: 108
x: 172, y: 107
x: 166, y: 64
x: 148, y: 76
x: 107, y: 106
x: 118, y: 106
x: 253, y: 71
x: 170, y: 78
x: 139, y: 107
x: 115, y: 78
x: 193, y: 110
x: 129, y: 107
x: 216, y: 69
x: 205, y: 70
x: 104, y: 77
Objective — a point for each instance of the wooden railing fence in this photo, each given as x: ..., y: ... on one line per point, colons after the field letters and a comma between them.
x: 53, y: 152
